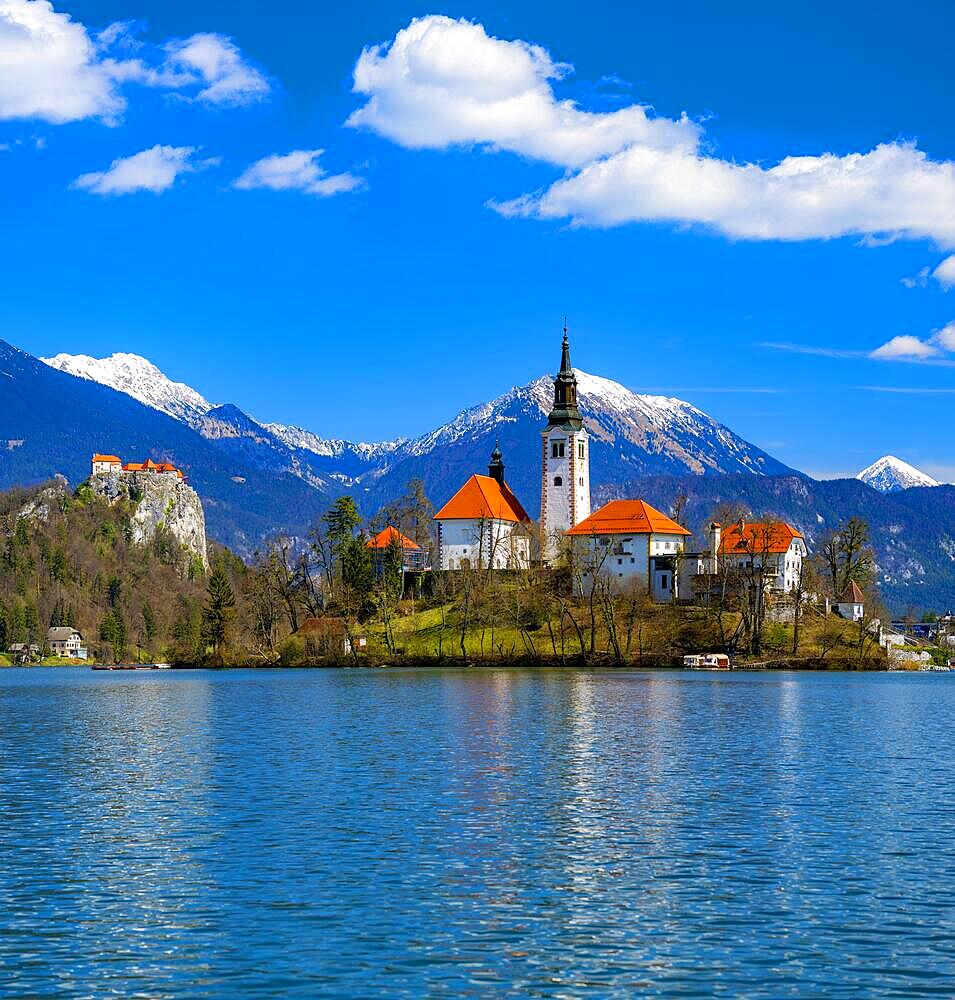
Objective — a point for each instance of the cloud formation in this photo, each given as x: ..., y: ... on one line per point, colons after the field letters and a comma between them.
x: 905, y: 346
x: 442, y: 82
x: 216, y: 65
x: 296, y: 171
x: 944, y: 274
x: 53, y: 70
x: 154, y: 169
x: 50, y: 68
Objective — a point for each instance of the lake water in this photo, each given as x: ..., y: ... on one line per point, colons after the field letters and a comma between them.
x: 476, y: 833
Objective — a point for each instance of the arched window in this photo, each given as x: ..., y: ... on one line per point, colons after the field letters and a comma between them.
x: 558, y: 481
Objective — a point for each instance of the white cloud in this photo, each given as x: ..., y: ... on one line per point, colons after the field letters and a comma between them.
x: 296, y: 171
x: 945, y: 338
x: 217, y: 65
x: 441, y: 82
x: 51, y: 69
x: 905, y: 346
x: 154, y: 170
x: 944, y: 274
x: 919, y: 281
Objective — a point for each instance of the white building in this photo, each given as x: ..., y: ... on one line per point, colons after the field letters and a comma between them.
x: 773, y: 545
x: 630, y: 544
x: 105, y: 464
x: 484, y: 525
x: 66, y: 641
x: 852, y: 603
x: 565, y: 462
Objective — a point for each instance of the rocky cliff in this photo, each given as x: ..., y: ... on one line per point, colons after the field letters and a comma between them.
x: 159, y: 501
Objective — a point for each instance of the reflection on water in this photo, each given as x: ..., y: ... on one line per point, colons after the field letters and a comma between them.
x: 409, y: 833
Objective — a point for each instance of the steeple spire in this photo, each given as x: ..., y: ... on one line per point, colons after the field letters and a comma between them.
x: 565, y: 412
x: 495, y: 468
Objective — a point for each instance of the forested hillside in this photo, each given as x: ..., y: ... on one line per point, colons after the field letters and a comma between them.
x: 69, y: 559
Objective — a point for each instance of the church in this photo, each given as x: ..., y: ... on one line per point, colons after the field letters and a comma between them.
x: 484, y: 525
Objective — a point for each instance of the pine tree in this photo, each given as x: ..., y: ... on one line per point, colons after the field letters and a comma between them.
x: 113, y: 630
x: 218, y: 612
x: 150, y: 627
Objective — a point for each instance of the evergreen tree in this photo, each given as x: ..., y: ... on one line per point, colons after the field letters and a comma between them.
x: 150, y: 627
x: 341, y: 519
x: 218, y: 612
x: 357, y: 577
x: 113, y: 591
x: 113, y: 631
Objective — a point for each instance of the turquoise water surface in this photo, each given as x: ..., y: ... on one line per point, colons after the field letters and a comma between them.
x: 414, y: 833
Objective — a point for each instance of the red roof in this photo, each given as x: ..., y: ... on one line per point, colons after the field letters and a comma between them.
x: 384, y: 538
x: 105, y: 458
x: 627, y: 517
x: 852, y: 594
x: 773, y: 537
x: 483, y: 497
x: 133, y: 467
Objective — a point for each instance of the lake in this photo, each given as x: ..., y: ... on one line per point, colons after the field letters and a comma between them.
x: 402, y: 833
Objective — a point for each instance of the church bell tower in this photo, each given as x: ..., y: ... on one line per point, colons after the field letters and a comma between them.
x: 565, y: 464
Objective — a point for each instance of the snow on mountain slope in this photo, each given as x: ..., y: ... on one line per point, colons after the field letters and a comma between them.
x: 138, y: 378
x: 633, y: 435
x: 673, y: 431
x: 303, y: 440
x: 889, y: 474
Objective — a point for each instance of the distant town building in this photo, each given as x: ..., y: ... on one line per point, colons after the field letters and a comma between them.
x: 776, y: 547
x: 66, y: 641
x: 631, y: 544
x: 328, y: 636
x: 105, y: 464
x: 484, y: 525
x: 112, y: 465
x: 565, y: 462
x: 851, y: 604
x: 414, y: 559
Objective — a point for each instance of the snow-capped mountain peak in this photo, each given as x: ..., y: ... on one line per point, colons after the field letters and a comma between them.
x: 139, y: 378
x: 889, y: 474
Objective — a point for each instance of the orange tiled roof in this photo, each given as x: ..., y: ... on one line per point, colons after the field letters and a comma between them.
x: 483, y: 497
x: 384, y: 538
x: 773, y: 537
x: 133, y: 467
x: 627, y: 517
x: 105, y: 458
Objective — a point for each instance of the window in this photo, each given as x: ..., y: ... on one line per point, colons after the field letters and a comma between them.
x: 631, y: 560
x: 580, y: 450
x: 581, y: 480
x: 664, y: 581
x: 619, y: 562
x: 557, y: 449
x: 558, y: 481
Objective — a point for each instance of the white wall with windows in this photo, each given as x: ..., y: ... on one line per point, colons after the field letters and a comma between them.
x: 473, y: 543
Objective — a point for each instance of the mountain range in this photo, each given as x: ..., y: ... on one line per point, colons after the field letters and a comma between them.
x: 258, y: 477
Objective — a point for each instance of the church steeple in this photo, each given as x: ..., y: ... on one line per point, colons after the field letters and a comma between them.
x: 565, y: 412
x: 495, y: 468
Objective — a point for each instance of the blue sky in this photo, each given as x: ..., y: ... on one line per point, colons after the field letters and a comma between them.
x: 425, y: 260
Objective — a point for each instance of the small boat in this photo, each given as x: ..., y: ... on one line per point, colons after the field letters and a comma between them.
x: 160, y: 666
x: 707, y: 661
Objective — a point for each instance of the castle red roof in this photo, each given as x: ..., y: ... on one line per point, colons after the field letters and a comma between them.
x: 105, y: 458
x: 773, y: 537
x: 384, y: 538
x: 483, y: 497
x: 627, y: 517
